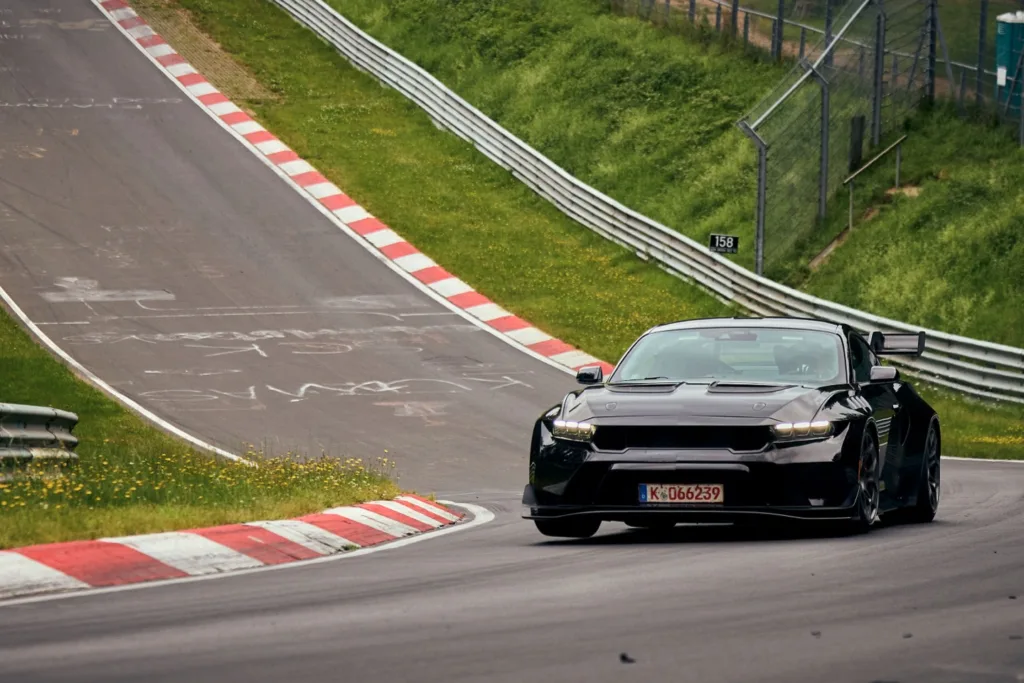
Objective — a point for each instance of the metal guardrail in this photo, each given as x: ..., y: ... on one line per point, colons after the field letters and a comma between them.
x: 31, y: 434
x: 975, y: 367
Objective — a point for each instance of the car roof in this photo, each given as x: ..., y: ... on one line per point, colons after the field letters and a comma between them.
x: 789, y: 323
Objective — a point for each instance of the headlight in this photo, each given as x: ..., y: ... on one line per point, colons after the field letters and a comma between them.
x: 802, y: 430
x: 573, y: 431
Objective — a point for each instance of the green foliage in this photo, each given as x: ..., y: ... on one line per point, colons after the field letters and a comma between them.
x: 644, y: 116
x: 951, y: 257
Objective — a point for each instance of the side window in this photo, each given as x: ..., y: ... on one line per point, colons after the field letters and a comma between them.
x: 861, y: 358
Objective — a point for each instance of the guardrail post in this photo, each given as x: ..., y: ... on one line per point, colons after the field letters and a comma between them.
x: 735, y: 17
x: 780, y: 29
x: 718, y: 18
x: 746, y: 29
x: 762, y: 194
x: 876, y: 100
x: 693, y: 11
x: 803, y: 41
x: 982, y: 38
x: 933, y: 18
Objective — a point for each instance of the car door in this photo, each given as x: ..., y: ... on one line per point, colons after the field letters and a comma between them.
x: 884, y: 408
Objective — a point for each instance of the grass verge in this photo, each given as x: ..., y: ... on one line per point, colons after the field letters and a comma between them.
x: 475, y: 219
x: 133, y: 478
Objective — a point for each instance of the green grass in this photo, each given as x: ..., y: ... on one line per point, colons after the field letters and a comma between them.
x: 132, y: 478
x: 477, y: 221
x: 951, y: 258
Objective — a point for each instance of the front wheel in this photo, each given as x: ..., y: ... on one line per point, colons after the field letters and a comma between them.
x: 867, y: 479
x: 928, y: 488
x: 568, y: 528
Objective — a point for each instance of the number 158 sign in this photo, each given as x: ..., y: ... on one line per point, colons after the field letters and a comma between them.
x: 724, y: 244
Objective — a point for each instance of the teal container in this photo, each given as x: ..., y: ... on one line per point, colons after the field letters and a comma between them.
x: 1009, y: 45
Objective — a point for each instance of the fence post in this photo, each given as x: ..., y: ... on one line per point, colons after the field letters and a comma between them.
x: 828, y: 31
x: 762, y: 194
x: 735, y: 17
x: 803, y: 41
x: 876, y: 104
x: 668, y: 12
x: 933, y: 17
x: 718, y: 17
x: 982, y: 37
x: 826, y: 114
x: 693, y: 11
x: 780, y: 28
x: 746, y: 28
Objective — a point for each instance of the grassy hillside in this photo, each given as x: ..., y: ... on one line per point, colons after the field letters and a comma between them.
x: 642, y: 115
x: 649, y: 118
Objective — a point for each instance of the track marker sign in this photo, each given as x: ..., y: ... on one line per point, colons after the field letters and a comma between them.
x: 724, y: 244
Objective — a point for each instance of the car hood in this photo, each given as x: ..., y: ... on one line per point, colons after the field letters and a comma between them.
x: 660, y: 403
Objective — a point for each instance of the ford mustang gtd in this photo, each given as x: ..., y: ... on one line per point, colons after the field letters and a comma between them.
x: 735, y: 420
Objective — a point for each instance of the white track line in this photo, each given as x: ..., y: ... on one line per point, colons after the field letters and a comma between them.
x: 109, y: 390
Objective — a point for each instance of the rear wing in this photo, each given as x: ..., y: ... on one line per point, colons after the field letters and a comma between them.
x: 885, y: 344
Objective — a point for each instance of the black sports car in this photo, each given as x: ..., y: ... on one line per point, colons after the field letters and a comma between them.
x: 735, y: 420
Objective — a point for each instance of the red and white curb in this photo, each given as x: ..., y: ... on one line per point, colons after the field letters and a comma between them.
x: 355, y: 220
x: 82, y: 565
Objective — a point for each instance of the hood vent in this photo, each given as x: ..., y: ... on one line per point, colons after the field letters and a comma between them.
x: 740, y: 388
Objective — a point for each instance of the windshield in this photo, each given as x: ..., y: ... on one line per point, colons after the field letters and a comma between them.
x: 759, y: 355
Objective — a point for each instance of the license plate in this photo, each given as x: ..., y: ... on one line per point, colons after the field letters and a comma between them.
x: 676, y: 494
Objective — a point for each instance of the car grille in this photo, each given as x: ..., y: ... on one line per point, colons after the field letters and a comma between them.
x: 616, y: 438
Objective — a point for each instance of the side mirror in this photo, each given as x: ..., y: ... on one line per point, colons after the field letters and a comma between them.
x: 590, y: 375
x: 897, y: 344
x: 884, y: 373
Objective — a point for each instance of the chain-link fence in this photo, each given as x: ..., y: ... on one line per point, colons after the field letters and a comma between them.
x: 814, y: 128
x: 863, y: 66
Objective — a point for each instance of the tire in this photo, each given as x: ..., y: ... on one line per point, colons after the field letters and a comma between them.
x: 929, y: 487
x: 867, y: 479
x: 568, y: 528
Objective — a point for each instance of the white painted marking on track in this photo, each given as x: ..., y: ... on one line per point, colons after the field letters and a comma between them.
x: 575, y: 358
x: 351, y: 214
x: 20, y: 575
x: 488, y: 311
x: 436, y: 509
x: 529, y: 336
x: 142, y: 31
x: 122, y: 14
x: 414, y: 262
x: 481, y: 516
x: 269, y: 147
x: 403, y: 509
x: 108, y: 389
x: 191, y: 553
x: 384, y: 238
x: 307, y: 535
x: 182, y: 69
x: 247, y: 128
x: 450, y: 287
x: 200, y: 89
x: 321, y: 190
x: 161, y: 50
x: 373, y: 520
x: 224, y: 108
x: 296, y: 167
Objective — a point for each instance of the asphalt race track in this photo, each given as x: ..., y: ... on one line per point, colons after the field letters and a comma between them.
x: 115, y: 188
